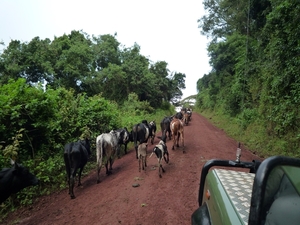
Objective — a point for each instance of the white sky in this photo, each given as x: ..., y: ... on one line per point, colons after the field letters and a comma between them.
x: 166, y: 30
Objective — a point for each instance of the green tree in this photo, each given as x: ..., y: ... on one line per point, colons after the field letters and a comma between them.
x: 106, y: 51
x: 37, y: 61
x: 110, y: 82
x: 73, y: 61
x: 12, y: 62
x: 135, y: 67
x: 161, y: 85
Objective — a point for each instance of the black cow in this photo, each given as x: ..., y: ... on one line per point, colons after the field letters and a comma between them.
x: 14, y: 179
x: 140, y: 133
x: 152, y: 130
x: 123, y: 139
x: 76, y: 155
x: 179, y: 115
x: 165, y: 126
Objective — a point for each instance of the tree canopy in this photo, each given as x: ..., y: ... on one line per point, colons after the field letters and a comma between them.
x: 92, y: 65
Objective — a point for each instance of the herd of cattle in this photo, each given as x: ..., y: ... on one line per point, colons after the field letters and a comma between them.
x: 108, y: 146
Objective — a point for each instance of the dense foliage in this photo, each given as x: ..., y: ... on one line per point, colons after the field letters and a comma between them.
x: 255, y: 59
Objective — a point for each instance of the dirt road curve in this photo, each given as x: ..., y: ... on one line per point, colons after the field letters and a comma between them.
x: 167, y: 200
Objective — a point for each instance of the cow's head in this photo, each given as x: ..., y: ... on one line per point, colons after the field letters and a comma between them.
x: 22, y: 178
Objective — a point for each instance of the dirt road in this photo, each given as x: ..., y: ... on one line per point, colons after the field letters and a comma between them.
x: 167, y: 200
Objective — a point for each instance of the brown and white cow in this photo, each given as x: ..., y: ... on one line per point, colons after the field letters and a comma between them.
x: 176, y: 126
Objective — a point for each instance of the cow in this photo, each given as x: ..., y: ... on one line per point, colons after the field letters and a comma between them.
x: 106, y: 151
x: 189, y: 112
x: 179, y: 115
x: 161, y: 152
x: 165, y: 126
x: 152, y: 130
x: 186, y: 118
x: 176, y: 127
x: 123, y: 139
x: 140, y: 133
x: 14, y: 179
x: 142, y: 154
x: 76, y: 155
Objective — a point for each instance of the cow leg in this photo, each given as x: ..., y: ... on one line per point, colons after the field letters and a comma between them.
x: 166, y: 159
x: 178, y: 136
x: 111, y: 162
x: 98, y: 173
x: 125, y: 149
x: 159, y: 171
x: 106, y: 167
x: 162, y: 168
x: 99, y: 165
x: 79, y: 176
x: 182, y: 142
x: 174, y: 142
x: 136, y: 151
x: 72, y: 183
x: 159, y: 167
x: 145, y: 158
x: 75, y: 159
x: 119, y: 151
x: 140, y: 163
x: 108, y: 171
x: 144, y: 162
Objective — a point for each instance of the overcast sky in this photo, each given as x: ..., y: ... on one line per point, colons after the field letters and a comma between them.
x: 166, y: 30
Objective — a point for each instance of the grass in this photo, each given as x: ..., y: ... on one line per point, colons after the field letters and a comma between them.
x: 255, y: 136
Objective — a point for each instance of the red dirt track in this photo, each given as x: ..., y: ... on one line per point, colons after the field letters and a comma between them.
x: 162, y: 201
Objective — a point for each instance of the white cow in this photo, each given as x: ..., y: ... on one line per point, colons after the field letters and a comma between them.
x: 106, y: 145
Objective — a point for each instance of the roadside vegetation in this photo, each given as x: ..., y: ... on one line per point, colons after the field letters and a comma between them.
x: 253, y: 89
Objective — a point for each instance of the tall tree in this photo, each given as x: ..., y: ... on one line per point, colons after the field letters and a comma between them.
x: 74, y: 60
x: 106, y: 50
x: 135, y: 66
x: 12, y: 62
x: 161, y: 72
x: 37, y: 60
